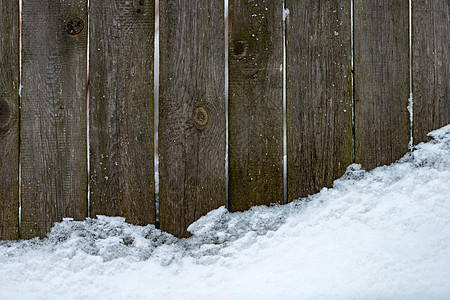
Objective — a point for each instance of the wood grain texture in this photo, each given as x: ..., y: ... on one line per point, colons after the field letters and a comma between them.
x: 121, y: 109
x: 319, y: 94
x: 381, y: 81
x: 9, y: 120
x: 192, y: 114
x: 255, y: 103
x: 53, y: 126
x: 431, y: 66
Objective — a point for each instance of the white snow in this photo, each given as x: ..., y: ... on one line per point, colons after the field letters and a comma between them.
x: 286, y: 13
x: 383, y: 234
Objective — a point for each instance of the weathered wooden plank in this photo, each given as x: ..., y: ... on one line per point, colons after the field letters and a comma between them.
x: 255, y: 103
x: 53, y: 114
x: 431, y: 66
x: 9, y: 120
x: 319, y: 94
x: 381, y: 81
x: 192, y: 114
x: 121, y: 109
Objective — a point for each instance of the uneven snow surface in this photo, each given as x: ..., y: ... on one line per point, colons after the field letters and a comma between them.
x: 383, y: 234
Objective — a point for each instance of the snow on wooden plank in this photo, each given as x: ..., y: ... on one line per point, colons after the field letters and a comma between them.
x: 53, y: 114
x: 192, y: 112
x: 381, y: 81
x: 431, y: 66
x: 9, y: 120
x: 121, y: 109
x: 255, y: 103
x: 319, y: 94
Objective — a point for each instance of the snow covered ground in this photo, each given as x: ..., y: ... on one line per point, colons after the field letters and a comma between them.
x: 383, y: 234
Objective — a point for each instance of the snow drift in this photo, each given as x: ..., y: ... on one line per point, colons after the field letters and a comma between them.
x: 383, y: 234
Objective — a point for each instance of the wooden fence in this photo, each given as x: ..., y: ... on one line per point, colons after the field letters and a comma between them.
x: 44, y: 125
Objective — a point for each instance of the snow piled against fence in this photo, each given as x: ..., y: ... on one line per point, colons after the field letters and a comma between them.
x: 383, y: 234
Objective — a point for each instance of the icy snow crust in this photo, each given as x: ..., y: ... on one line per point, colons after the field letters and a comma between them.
x: 383, y: 234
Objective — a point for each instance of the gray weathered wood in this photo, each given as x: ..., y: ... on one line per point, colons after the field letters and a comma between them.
x: 255, y: 103
x: 319, y: 94
x: 192, y: 115
x: 53, y: 114
x: 431, y: 66
x: 9, y: 120
x: 121, y: 109
x: 381, y: 81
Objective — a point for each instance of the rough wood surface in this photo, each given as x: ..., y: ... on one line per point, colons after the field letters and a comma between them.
x: 9, y: 120
x: 53, y: 115
x: 121, y: 109
x: 431, y: 66
x: 381, y: 81
x: 192, y: 114
x: 255, y: 103
x: 319, y: 94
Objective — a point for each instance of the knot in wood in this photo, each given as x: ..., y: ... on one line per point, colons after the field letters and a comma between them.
x: 5, y: 112
x: 139, y: 6
x: 200, y: 116
x: 240, y: 48
x: 74, y: 26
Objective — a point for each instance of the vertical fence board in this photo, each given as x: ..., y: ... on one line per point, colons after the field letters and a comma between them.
x: 9, y: 125
x: 319, y: 94
x: 192, y: 114
x: 53, y: 126
x: 381, y: 81
x: 431, y: 66
x: 121, y: 109
x: 255, y: 103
